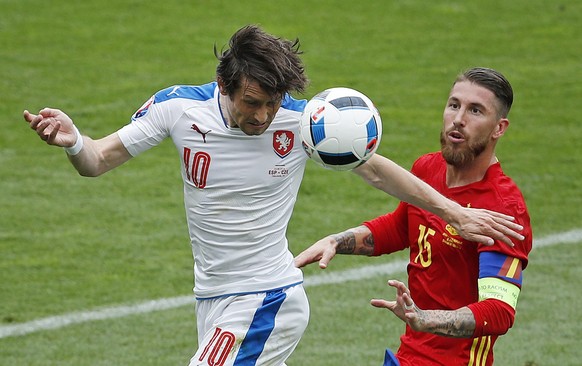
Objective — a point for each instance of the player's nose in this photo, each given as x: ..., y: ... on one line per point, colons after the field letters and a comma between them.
x: 459, y: 119
x: 262, y: 115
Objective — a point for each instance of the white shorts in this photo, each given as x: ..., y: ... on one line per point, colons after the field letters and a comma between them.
x: 252, y: 329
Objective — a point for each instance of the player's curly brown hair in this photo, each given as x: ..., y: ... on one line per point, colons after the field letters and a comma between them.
x: 272, y: 62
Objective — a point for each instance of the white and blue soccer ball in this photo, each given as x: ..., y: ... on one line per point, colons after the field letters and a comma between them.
x: 340, y: 128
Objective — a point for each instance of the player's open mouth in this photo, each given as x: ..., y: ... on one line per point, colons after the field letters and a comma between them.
x: 456, y: 136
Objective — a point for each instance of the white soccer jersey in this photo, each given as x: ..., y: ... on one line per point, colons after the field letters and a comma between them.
x: 239, y: 190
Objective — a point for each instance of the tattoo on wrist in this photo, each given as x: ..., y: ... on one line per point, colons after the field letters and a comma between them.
x: 346, y: 242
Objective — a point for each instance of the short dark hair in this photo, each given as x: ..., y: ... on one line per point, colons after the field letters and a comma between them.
x: 493, y: 81
x: 272, y: 62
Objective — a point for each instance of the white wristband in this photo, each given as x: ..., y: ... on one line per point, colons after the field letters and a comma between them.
x: 76, y: 148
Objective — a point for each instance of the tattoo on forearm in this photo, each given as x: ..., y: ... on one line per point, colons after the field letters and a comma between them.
x: 346, y: 242
x: 458, y: 324
x: 368, y: 247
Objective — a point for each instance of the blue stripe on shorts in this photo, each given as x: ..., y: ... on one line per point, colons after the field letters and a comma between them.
x: 260, y: 329
x: 390, y: 359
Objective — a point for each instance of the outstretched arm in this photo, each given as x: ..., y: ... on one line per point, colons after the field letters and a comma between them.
x: 358, y: 240
x: 478, y: 225
x: 459, y: 323
x: 90, y: 157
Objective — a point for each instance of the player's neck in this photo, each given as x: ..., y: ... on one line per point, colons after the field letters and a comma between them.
x: 223, y: 105
x: 471, y: 173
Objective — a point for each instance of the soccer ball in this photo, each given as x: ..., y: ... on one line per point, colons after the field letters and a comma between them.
x: 340, y: 128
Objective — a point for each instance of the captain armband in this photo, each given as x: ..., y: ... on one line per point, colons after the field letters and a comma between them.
x: 495, y: 288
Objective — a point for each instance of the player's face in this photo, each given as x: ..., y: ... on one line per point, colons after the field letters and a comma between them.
x: 251, y: 109
x: 471, y: 124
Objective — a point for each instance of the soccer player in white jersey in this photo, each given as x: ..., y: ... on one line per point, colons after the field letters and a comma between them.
x: 242, y: 164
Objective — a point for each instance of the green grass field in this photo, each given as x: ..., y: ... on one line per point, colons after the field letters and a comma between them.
x: 70, y: 244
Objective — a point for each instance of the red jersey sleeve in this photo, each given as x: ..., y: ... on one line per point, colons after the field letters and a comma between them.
x: 492, y: 317
x: 390, y: 231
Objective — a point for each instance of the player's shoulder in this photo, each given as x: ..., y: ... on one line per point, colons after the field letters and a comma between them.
x: 428, y: 163
x: 502, y: 183
x: 289, y: 114
x: 292, y: 104
x: 430, y: 158
x: 188, y: 92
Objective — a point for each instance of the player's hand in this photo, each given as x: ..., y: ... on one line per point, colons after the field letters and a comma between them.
x: 323, y: 251
x: 52, y: 126
x: 484, y: 226
x: 403, y: 307
x: 450, y: 323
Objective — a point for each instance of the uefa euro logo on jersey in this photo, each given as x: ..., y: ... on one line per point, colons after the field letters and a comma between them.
x: 283, y: 142
x: 144, y: 109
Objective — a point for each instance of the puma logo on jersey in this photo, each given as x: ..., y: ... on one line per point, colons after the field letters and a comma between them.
x: 197, y: 129
x: 174, y: 91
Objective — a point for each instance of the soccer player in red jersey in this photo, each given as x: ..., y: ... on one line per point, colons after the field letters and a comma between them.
x: 461, y: 295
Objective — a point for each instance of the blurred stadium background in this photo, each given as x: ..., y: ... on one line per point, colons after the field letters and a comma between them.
x: 70, y: 245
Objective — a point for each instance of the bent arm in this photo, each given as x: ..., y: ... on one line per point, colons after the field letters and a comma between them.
x: 493, y: 314
x: 90, y: 157
x: 99, y: 156
x: 490, y: 316
x: 484, y: 318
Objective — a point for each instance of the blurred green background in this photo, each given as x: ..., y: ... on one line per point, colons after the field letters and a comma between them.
x: 70, y: 244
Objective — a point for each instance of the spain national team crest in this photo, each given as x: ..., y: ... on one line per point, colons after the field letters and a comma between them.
x: 283, y: 142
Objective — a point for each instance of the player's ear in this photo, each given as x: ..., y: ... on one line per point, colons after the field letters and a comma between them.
x: 501, y: 127
x: 221, y: 87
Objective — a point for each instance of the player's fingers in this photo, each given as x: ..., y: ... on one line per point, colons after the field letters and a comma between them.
x: 35, y: 120
x: 505, y: 224
x: 402, y: 289
x: 53, y: 134
x: 304, y: 258
x: 301, y: 260
x: 499, y: 215
x: 27, y: 116
x: 308, y: 256
x: 407, y: 302
x: 381, y: 303
x: 48, y: 112
x: 486, y: 240
x: 326, y: 258
x: 504, y: 238
x: 397, y: 284
x: 41, y: 128
x: 498, y: 232
x: 510, y: 228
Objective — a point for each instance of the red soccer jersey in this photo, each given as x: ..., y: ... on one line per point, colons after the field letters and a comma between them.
x: 444, y: 268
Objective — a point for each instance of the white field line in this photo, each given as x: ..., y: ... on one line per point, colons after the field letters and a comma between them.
x: 325, y: 278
